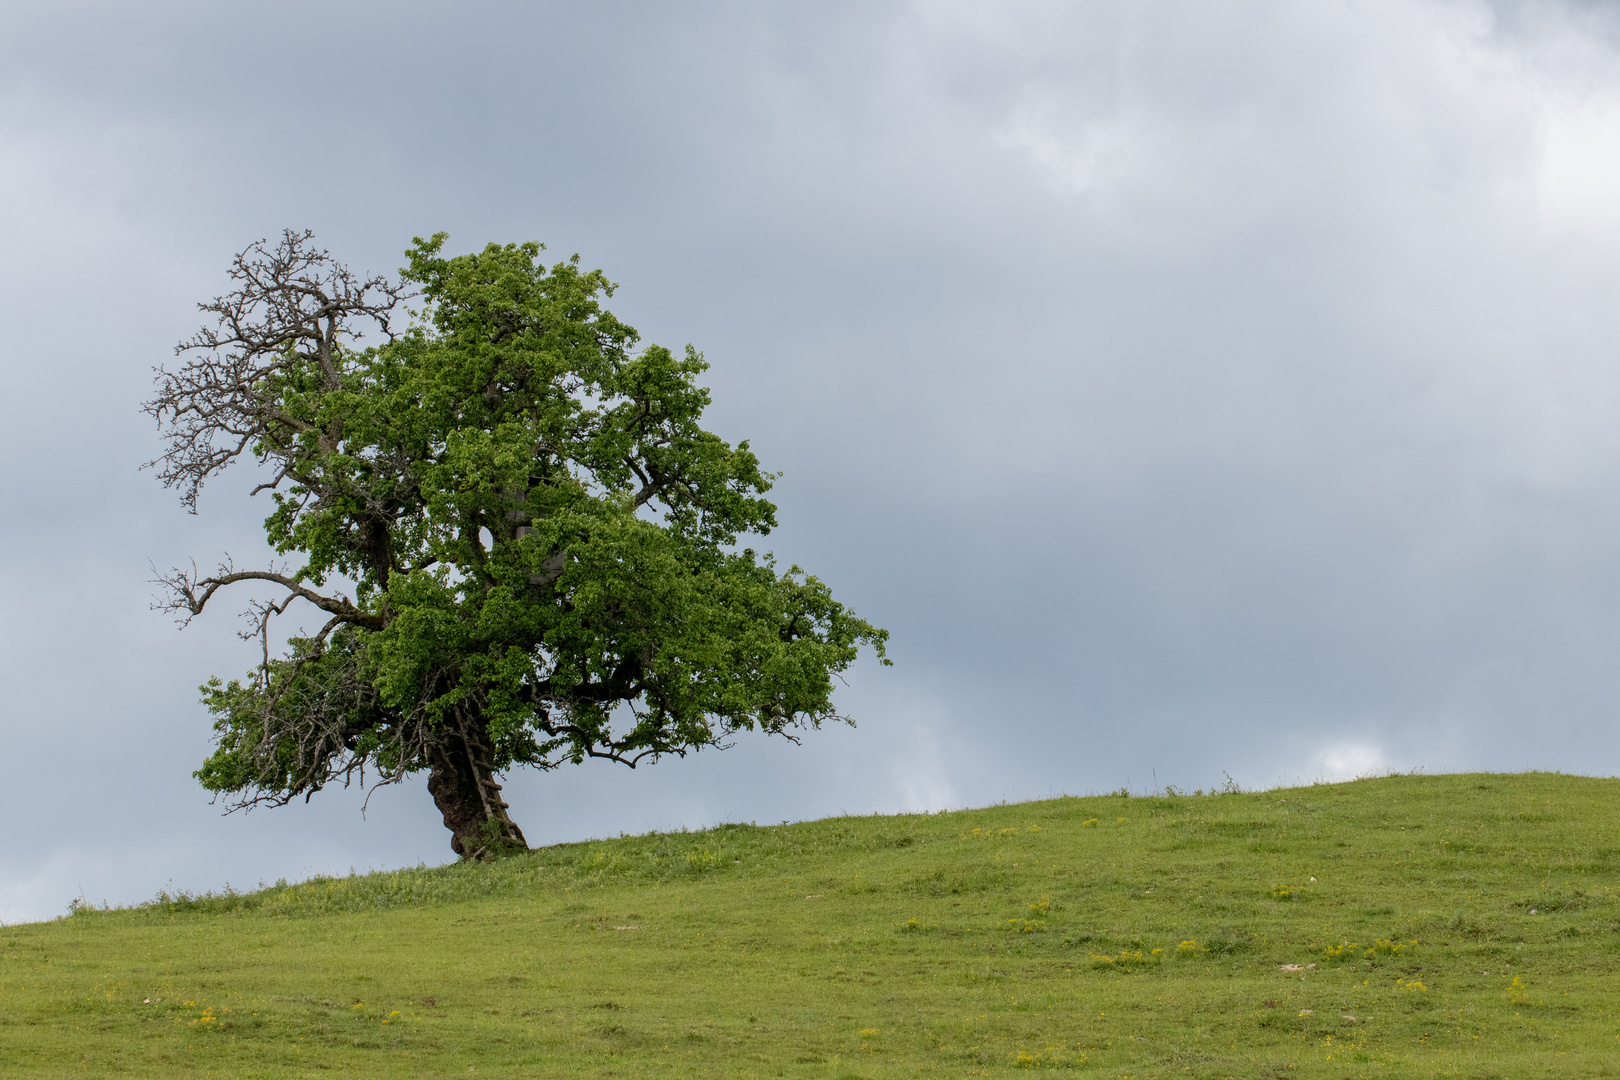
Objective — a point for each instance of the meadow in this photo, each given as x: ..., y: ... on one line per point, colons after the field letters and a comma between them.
x: 1407, y: 926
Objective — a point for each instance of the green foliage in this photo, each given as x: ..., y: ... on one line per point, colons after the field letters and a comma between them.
x: 542, y: 538
x: 824, y: 948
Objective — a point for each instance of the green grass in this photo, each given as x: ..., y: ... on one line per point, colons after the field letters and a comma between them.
x: 1459, y: 926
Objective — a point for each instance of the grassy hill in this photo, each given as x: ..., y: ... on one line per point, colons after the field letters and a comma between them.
x: 1408, y: 926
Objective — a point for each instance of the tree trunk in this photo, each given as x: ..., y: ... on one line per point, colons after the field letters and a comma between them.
x: 463, y: 787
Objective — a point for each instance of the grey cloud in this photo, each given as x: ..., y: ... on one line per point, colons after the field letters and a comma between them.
x: 1189, y: 389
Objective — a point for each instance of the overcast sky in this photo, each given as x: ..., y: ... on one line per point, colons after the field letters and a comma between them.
x: 1191, y: 388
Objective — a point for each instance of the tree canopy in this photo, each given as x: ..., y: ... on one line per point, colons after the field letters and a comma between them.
x: 525, y: 543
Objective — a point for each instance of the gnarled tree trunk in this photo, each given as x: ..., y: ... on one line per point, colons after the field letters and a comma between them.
x: 463, y: 787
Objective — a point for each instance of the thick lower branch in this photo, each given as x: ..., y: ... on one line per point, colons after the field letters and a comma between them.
x: 191, y: 595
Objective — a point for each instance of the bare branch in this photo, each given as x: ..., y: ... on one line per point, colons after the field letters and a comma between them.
x: 294, y: 306
x: 189, y: 594
x: 320, y: 714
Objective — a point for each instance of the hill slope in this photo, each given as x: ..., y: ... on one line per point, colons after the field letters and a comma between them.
x: 1464, y: 925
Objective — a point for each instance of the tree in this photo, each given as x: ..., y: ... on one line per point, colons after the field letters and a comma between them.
x: 538, y: 539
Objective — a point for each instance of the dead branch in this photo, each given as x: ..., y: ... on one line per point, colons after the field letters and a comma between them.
x: 293, y: 306
x: 189, y: 594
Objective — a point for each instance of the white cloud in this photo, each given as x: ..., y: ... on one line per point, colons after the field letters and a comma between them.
x: 1100, y: 156
x: 1349, y: 760
x: 919, y: 770
x: 1579, y: 180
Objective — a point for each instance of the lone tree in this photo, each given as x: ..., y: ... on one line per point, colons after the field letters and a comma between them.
x: 539, y: 535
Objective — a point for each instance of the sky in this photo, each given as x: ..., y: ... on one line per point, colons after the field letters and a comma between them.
x: 1198, y: 392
